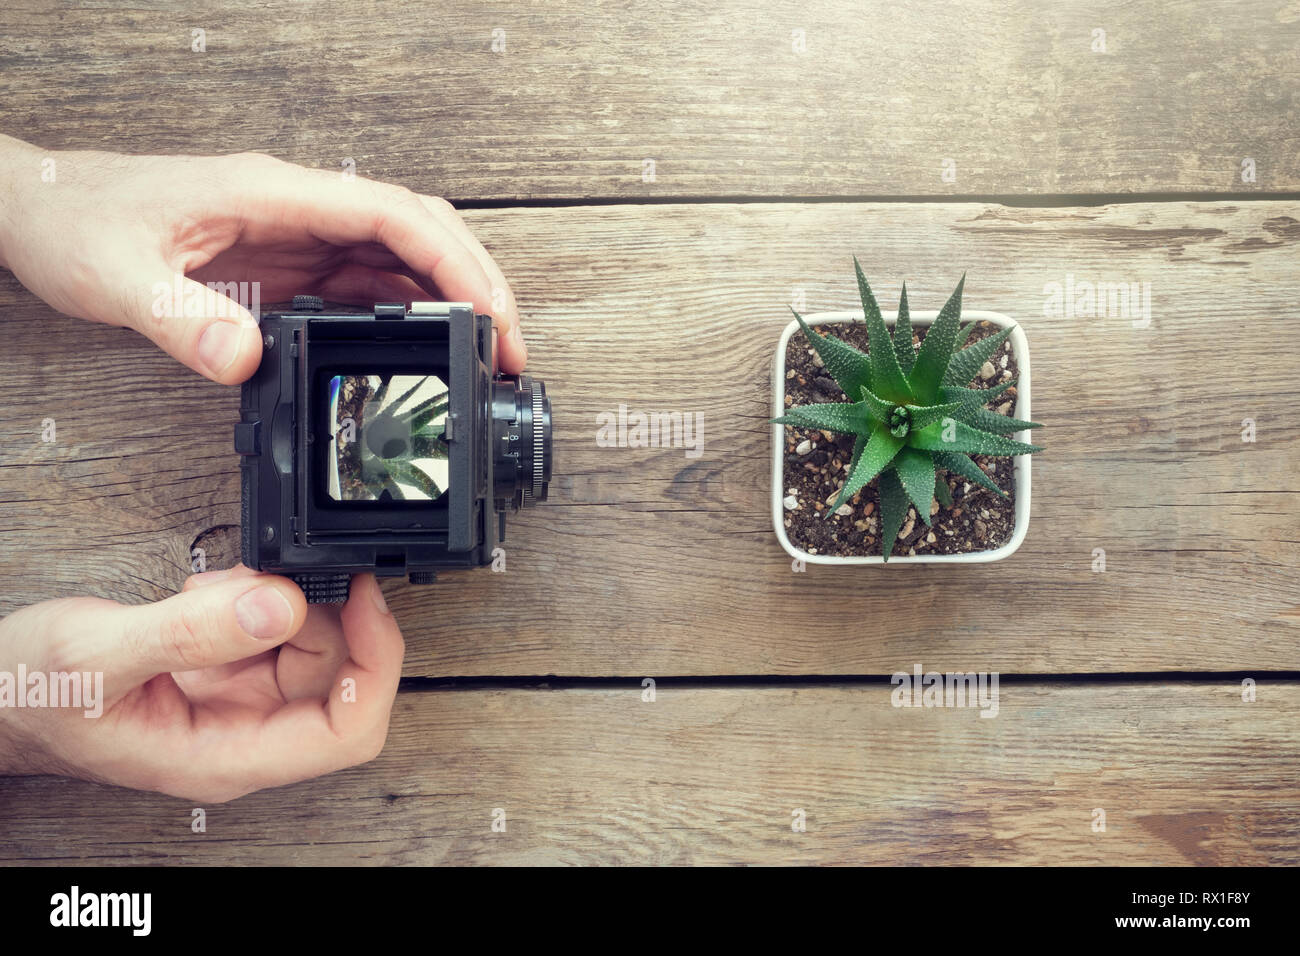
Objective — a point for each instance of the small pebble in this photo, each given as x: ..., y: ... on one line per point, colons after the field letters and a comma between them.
x: 790, y: 374
x: 981, y: 529
x: 791, y: 502
x: 871, y: 506
x: 1006, y: 376
x: 930, y: 538
x: 817, y: 360
x: 987, y: 371
x: 803, y: 447
x: 844, y: 510
x: 1002, y: 362
x: 934, y: 508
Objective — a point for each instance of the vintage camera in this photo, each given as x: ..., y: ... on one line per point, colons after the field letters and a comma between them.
x: 383, y: 442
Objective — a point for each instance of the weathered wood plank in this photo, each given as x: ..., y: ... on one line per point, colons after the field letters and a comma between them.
x: 646, y: 562
x: 1185, y: 773
x: 1012, y: 93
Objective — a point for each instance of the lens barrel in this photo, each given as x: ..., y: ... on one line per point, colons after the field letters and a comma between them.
x: 521, y: 440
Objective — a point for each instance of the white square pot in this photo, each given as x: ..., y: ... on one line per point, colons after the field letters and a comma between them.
x: 1021, y: 463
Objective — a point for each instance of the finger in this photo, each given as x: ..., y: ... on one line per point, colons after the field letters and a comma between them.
x: 208, y: 625
x: 305, y: 738
x: 359, y: 284
x: 204, y: 578
x: 504, y: 310
x: 274, y: 197
x: 198, y: 325
x: 375, y: 652
x: 308, y: 662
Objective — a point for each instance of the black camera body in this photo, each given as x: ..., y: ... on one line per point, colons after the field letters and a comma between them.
x: 383, y: 442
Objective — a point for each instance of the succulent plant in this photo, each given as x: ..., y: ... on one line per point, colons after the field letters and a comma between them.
x: 910, y: 411
x: 401, y: 437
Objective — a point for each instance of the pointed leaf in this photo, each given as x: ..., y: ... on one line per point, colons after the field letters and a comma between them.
x: 963, y: 334
x: 941, y: 491
x: 849, y: 367
x: 903, y: 335
x: 834, y: 416
x: 974, y: 396
x: 961, y: 465
x: 887, y: 376
x: 966, y: 439
x: 878, y: 452
x: 893, y: 509
x: 877, y: 407
x: 859, y: 443
x: 936, y: 350
x: 916, y: 472
x: 924, y: 416
x: 965, y: 365
x: 990, y: 421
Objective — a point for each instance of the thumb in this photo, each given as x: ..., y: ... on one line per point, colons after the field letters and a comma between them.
x: 204, y: 627
x: 198, y: 325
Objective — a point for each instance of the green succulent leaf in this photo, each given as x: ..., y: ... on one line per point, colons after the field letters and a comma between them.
x: 936, y: 350
x: 961, y: 465
x: 966, y: 439
x: 941, y: 491
x: 924, y: 416
x: 893, y: 509
x: 849, y: 367
x: 878, y: 452
x: 833, y: 416
x: 994, y: 422
x: 408, y: 474
x: 859, y: 443
x: 887, y: 378
x: 963, y: 334
x: 973, y: 396
x: 903, y: 335
x: 916, y: 472
x: 877, y: 407
x: 966, y: 364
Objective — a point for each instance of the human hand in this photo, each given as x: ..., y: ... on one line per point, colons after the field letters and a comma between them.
x: 111, y: 230
x: 233, y: 685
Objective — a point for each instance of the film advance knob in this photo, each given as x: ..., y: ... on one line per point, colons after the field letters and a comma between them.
x: 308, y: 303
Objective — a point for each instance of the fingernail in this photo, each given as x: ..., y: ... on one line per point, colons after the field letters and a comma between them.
x: 517, y: 337
x: 264, y: 612
x: 379, y: 598
x: 219, y: 345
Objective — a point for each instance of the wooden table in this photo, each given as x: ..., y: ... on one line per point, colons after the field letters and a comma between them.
x: 1005, y: 139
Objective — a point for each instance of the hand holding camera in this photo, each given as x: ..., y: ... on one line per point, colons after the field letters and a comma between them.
x: 212, y: 692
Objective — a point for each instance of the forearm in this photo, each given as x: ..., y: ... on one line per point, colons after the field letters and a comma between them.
x: 21, y: 173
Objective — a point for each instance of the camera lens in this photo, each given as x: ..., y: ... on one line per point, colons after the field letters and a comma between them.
x: 521, y: 440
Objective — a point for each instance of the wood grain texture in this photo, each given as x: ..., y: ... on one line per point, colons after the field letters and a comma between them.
x: 647, y: 562
x: 1186, y: 774
x: 1012, y: 93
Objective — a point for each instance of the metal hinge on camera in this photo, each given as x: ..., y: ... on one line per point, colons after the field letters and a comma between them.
x: 437, y: 308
